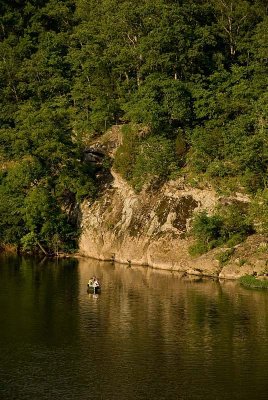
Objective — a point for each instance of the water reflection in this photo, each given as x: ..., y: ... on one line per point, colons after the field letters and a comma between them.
x: 202, y: 332
x: 149, y: 335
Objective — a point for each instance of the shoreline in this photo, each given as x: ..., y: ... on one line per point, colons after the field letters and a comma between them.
x: 153, y: 267
x: 184, y: 269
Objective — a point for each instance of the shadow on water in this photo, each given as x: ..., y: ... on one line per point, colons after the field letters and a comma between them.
x: 149, y: 334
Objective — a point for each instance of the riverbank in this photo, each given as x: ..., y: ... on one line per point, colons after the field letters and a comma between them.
x: 250, y: 272
x: 251, y: 282
x: 152, y: 228
x: 248, y: 258
x: 8, y: 248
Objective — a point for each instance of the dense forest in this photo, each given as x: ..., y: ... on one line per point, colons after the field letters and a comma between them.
x: 186, y: 79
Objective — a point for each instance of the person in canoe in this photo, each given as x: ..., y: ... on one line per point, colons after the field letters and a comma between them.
x: 93, y: 282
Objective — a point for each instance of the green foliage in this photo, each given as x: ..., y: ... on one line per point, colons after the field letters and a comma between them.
x: 231, y: 140
x: 258, y: 213
x: 160, y: 103
x: 235, y: 224
x: 141, y: 160
x: 229, y: 227
x: 198, y: 248
x: 242, y: 261
x: 251, y: 282
x: 193, y: 72
x: 181, y: 145
x: 207, y: 229
x: 11, y: 222
x: 156, y: 159
x: 225, y: 256
x: 42, y: 179
x: 126, y: 154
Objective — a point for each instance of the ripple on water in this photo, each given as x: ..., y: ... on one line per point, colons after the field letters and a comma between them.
x: 148, y: 335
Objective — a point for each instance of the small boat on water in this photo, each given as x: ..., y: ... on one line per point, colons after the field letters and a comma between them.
x: 93, y: 285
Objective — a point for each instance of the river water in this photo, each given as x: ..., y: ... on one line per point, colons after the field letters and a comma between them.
x: 149, y: 334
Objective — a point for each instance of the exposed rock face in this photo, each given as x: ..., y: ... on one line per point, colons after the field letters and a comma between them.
x: 151, y: 228
x: 249, y: 258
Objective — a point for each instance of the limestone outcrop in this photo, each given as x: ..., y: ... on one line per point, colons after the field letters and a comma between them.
x: 151, y: 228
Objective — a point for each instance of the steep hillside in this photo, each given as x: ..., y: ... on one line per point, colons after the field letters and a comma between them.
x: 185, y: 80
x: 153, y: 227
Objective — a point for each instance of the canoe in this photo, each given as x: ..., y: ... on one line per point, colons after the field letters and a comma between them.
x: 93, y: 288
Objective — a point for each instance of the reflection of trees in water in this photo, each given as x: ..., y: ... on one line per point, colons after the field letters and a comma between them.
x: 181, y: 327
x: 42, y: 297
x: 169, y: 308
x: 148, y: 326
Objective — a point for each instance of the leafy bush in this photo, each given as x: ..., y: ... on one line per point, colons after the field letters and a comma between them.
x: 235, y: 223
x: 228, y: 226
x: 156, y: 159
x: 235, y: 239
x: 225, y: 256
x: 207, y: 228
x: 126, y: 154
x: 242, y: 261
x: 258, y: 212
x: 253, y: 283
x: 197, y: 249
x: 142, y: 160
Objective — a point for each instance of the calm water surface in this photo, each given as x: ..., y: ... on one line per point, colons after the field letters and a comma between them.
x: 148, y: 335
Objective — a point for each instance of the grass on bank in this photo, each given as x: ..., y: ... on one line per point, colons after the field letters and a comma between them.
x: 251, y: 282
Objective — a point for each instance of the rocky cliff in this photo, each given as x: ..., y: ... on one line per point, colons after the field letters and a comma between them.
x: 152, y: 228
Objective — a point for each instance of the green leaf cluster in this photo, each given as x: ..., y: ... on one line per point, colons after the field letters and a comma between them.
x: 229, y: 226
x: 42, y: 177
x: 192, y: 73
x: 142, y: 160
x: 251, y: 282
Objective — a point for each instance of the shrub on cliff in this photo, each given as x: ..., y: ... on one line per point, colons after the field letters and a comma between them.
x: 143, y: 160
x: 259, y: 211
x: 126, y: 154
x: 156, y: 159
x: 228, y: 226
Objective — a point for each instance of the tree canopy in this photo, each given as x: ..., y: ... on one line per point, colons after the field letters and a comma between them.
x: 193, y: 72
